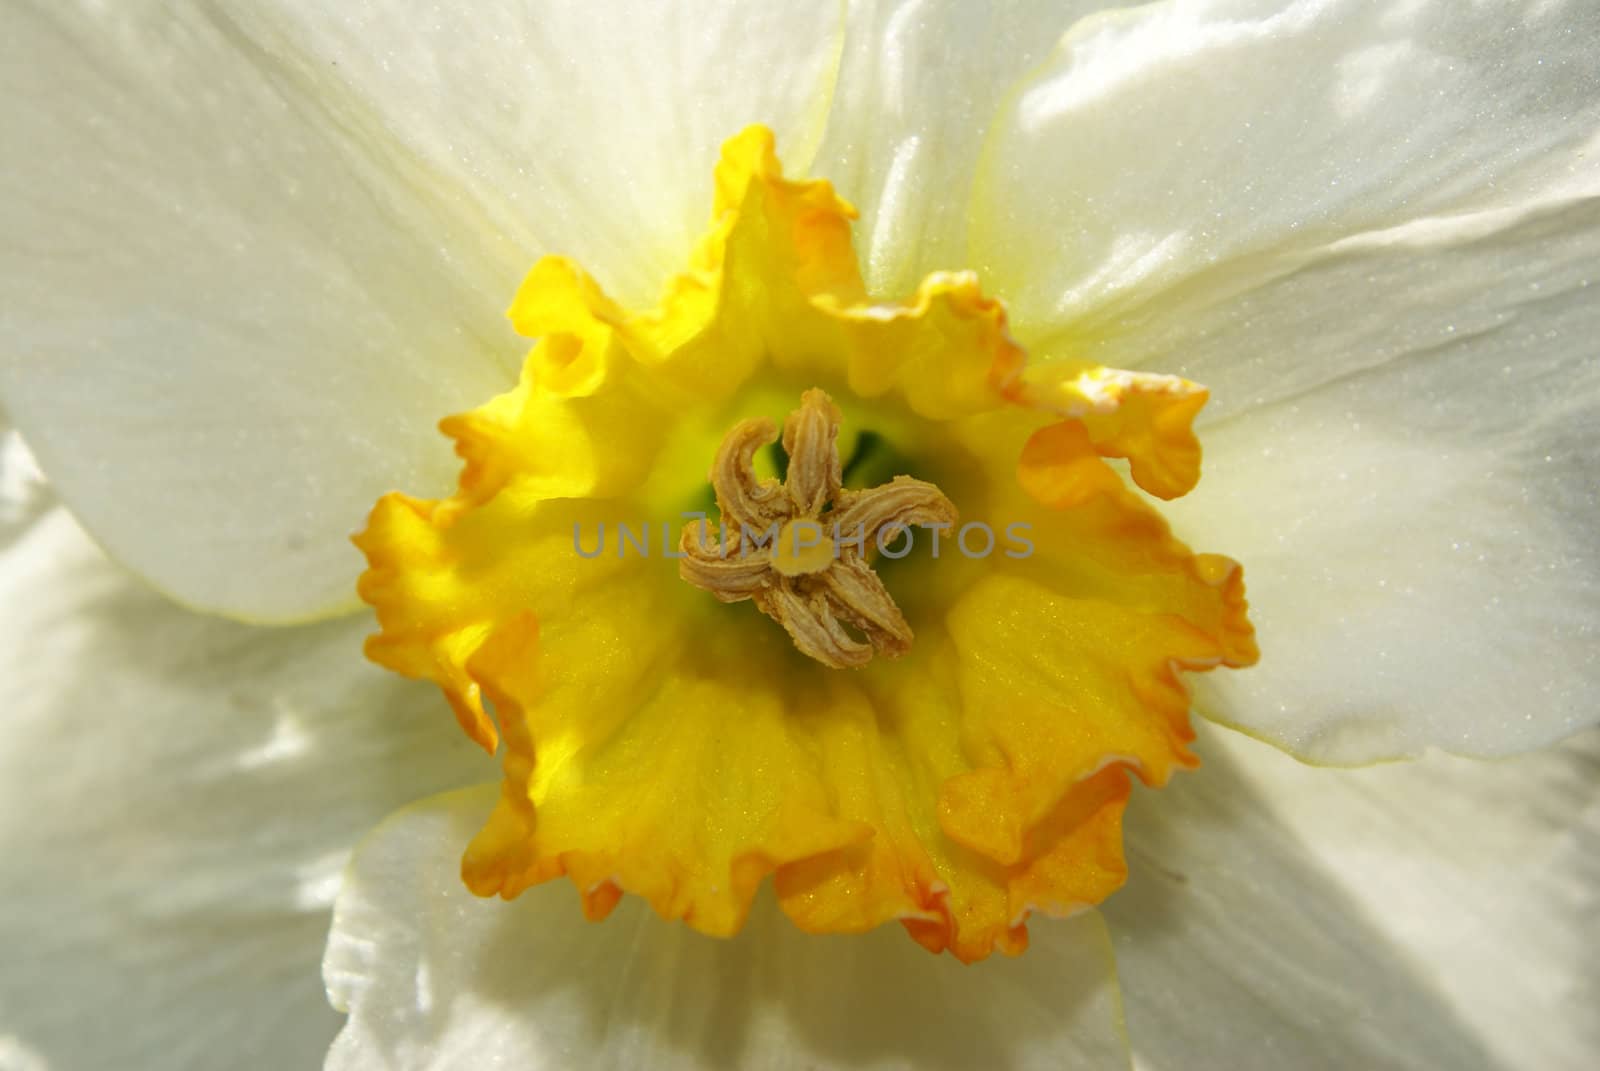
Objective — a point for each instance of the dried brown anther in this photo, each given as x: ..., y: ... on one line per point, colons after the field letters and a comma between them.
x: 778, y: 548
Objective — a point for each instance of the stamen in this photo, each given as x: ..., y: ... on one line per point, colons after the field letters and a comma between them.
x: 810, y: 436
x: 808, y: 582
x: 741, y: 497
x: 732, y: 576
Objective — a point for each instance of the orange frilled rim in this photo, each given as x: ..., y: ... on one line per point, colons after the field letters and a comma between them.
x: 659, y: 743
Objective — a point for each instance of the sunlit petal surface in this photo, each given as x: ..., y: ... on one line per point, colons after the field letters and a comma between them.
x: 178, y: 798
x: 1409, y: 916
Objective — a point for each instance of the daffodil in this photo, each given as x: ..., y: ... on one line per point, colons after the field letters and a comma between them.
x: 660, y: 743
x: 1366, y: 228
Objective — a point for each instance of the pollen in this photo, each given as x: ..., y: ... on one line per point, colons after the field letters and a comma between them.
x: 801, y: 550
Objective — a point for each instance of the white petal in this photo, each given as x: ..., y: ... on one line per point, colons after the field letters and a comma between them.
x: 232, y: 322
x: 23, y: 493
x: 251, y: 259
x: 435, y: 978
x: 1421, y: 915
x: 580, y: 128
x: 920, y: 84
x: 1161, y: 141
x: 178, y: 797
x: 1407, y: 475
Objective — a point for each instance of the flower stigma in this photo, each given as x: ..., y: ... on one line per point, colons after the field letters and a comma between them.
x: 662, y: 743
x: 803, y: 548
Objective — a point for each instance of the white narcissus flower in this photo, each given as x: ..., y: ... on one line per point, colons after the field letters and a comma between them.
x: 253, y: 255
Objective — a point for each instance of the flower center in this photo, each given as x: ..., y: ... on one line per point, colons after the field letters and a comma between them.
x: 655, y: 748
x: 800, y: 550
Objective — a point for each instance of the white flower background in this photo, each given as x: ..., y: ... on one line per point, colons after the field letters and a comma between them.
x: 253, y: 252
